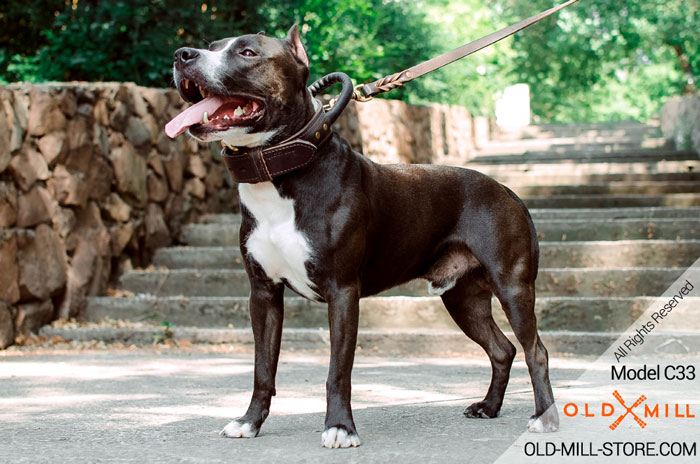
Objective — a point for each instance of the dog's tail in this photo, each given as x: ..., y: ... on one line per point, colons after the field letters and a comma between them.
x: 535, y: 243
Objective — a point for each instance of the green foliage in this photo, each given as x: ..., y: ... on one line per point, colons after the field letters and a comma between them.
x: 608, y: 59
x: 596, y: 60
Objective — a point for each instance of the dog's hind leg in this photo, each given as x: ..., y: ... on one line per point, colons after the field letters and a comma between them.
x: 518, y: 300
x: 470, y: 307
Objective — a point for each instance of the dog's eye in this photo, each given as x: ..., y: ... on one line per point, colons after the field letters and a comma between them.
x: 248, y: 52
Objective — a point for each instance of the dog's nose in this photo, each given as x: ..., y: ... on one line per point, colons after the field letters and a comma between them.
x: 185, y: 55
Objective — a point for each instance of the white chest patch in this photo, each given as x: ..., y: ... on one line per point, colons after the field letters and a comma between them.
x: 275, y: 243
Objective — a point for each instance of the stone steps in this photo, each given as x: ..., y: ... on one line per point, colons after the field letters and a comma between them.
x: 579, y: 130
x: 680, y: 200
x: 545, y: 213
x: 574, y: 313
x: 616, y: 188
x: 599, y: 282
x: 523, y: 179
x: 616, y: 210
x: 223, y: 234
x: 588, y: 155
x: 665, y: 253
x: 608, y: 213
x: 567, y: 144
x: 411, y: 342
x: 572, y: 167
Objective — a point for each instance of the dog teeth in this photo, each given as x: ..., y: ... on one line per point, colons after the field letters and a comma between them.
x: 226, y: 116
x: 239, y: 111
x: 205, y: 119
x: 186, y: 83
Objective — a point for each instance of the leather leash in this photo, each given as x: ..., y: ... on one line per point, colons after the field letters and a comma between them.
x: 263, y: 164
x: 367, y: 91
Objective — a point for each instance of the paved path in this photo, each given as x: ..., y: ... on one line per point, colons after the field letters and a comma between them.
x: 148, y: 406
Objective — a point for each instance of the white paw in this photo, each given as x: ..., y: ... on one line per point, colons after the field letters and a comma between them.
x: 335, y: 437
x: 236, y: 429
x: 537, y: 425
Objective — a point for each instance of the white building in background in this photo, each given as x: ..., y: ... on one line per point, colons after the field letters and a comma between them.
x: 513, y: 108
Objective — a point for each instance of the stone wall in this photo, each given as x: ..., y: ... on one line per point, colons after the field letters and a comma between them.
x: 390, y: 131
x: 680, y: 122
x: 90, y: 185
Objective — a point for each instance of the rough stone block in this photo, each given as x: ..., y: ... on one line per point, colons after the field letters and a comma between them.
x: 157, y: 233
x: 155, y: 162
x: 196, y: 166
x: 42, y: 264
x: 121, y: 235
x: 16, y: 108
x: 79, y: 133
x: 53, y: 146
x: 137, y: 132
x: 33, y: 316
x: 117, y: 209
x: 44, y: 114
x: 174, y: 167
x: 28, y: 167
x: 5, y: 153
x: 9, y: 276
x: 68, y: 102
x: 119, y: 117
x: 82, y: 269
x: 157, y: 188
x: 34, y: 207
x: 63, y: 220
x: 157, y: 100
x: 68, y: 188
x: 99, y: 178
x: 130, y: 172
x: 7, y: 326
x: 8, y: 204
x: 214, y: 180
x: 196, y: 188
x: 101, y: 112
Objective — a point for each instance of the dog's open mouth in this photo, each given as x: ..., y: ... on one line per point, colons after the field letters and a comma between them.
x: 212, y: 112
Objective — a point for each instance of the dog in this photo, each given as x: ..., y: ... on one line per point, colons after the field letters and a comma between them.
x: 342, y: 227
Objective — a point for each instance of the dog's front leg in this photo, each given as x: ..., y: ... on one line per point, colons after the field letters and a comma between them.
x: 343, y: 316
x: 266, y: 316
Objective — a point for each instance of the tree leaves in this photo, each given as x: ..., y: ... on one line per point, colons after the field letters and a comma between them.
x: 608, y: 59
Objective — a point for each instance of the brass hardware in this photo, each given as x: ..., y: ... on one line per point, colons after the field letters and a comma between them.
x: 318, y: 135
x: 357, y: 95
x: 330, y: 104
x: 325, y: 127
x: 226, y: 145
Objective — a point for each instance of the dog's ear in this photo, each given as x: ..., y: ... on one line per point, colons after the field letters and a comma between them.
x: 297, y: 47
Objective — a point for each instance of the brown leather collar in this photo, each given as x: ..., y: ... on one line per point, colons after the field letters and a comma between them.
x: 258, y: 164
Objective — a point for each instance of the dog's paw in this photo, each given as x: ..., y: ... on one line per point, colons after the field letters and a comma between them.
x: 336, y: 437
x: 236, y: 429
x: 481, y: 410
x: 546, y: 423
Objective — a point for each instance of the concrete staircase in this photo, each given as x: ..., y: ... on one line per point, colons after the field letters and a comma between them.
x: 616, y: 209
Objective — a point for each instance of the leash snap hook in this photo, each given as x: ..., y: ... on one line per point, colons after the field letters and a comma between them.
x: 357, y: 95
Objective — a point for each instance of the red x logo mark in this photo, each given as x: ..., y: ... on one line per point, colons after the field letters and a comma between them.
x: 639, y: 401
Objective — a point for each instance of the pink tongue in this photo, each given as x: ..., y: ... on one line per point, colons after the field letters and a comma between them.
x: 192, y: 115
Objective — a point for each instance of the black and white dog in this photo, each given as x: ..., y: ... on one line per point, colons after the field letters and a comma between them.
x: 343, y: 228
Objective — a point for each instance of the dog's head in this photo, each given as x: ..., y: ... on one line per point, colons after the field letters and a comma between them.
x: 246, y: 91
